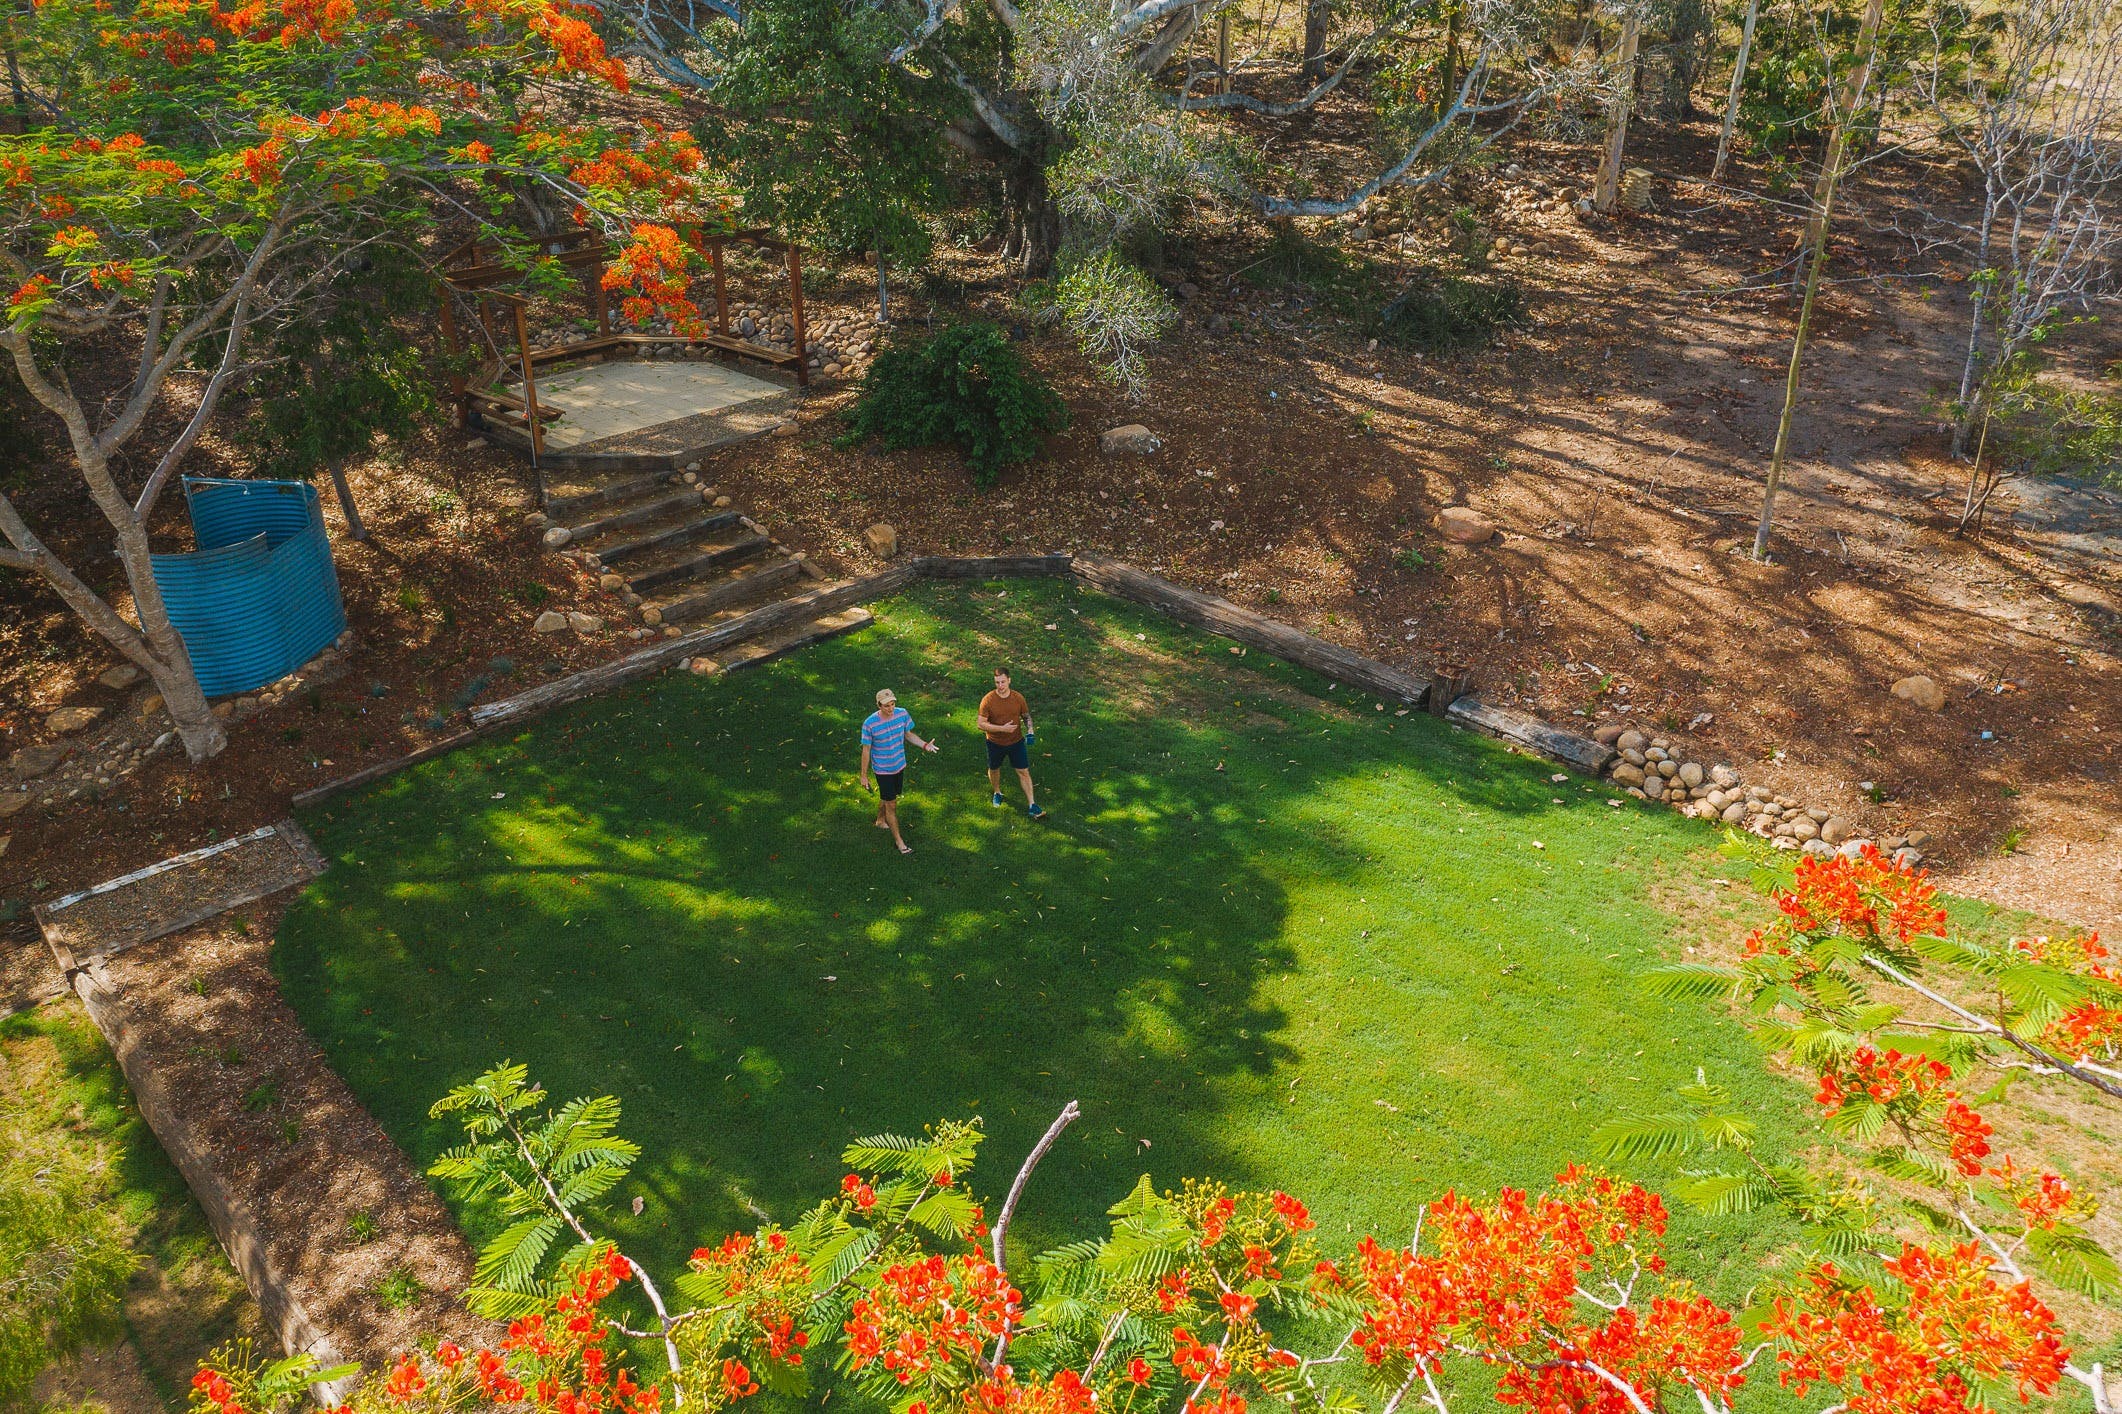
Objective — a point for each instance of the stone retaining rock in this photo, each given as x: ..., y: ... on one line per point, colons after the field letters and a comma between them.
x: 1656, y: 769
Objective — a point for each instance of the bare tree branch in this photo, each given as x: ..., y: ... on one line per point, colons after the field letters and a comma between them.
x: 1070, y: 1113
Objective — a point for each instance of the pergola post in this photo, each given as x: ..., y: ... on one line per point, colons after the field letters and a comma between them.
x: 450, y: 341
x: 530, y: 384
x: 795, y: 299
x: 714, y: 258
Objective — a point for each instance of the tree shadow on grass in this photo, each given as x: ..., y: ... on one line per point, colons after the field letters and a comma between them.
x: 675, y: 896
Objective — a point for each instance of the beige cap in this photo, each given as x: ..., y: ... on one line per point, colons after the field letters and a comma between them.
x: 886, y: 695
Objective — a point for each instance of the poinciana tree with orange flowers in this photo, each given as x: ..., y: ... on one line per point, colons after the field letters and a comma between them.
x: 198, y: 174
x: 1909, y: 1032
x: 1203, y: 1300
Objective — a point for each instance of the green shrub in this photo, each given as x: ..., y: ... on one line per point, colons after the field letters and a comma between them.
x: 1446, y: 314
x: 964, y: 386
x: 2045, y: 427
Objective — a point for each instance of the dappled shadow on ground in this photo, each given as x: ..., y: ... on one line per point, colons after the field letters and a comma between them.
x: 1264, y: 935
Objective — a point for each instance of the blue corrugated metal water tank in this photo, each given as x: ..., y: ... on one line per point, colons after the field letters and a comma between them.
x: 258, y: 598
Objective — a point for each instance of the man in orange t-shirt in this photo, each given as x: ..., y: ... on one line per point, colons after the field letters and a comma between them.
x: 1006, y: 721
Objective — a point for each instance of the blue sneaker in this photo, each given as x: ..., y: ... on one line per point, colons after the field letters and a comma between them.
x: 998, y: 800
x: 1036, y: 810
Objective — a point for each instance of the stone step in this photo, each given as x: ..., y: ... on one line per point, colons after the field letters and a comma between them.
x: 682, y: 526
x: 769, y: 580
x: 696, y: 563
x: 765, y: 649
x: 634, y: 514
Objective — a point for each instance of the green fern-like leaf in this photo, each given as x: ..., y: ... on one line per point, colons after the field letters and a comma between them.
x: 1638, y: 1138
x: 1859, y: 1119
x: 512, y: 1259
x: 1725, y: 1194
x: 2039, y: 993
x: 2074, y: 1261
x: 1912, y: 1164
x: 1691, y: 981
x: 946, y: 1212
x: 498, y: 1305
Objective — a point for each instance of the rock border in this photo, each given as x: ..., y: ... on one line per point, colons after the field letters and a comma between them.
x: 1654, y: 769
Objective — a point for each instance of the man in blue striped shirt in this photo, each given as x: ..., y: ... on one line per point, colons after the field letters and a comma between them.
x: 885, y: 734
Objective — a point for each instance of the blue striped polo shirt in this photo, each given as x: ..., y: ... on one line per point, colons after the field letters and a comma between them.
x: 887, y: 740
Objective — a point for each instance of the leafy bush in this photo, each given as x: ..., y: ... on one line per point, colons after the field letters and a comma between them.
x: 1446, y: 314
x: 963, y: 386
x: 1115, y: 311
x: 2046, y: 427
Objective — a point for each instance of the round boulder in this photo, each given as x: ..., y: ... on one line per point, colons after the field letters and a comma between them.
x: 1463, y: 525
x: 72, y: 719
x: 1921, y: 691
x: 1131, y: 438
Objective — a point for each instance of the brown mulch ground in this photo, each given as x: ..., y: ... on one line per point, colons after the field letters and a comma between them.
x: 293, y: 1144
x: 1618, y: 441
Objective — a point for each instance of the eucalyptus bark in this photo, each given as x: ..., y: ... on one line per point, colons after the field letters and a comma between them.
x: 1815, y: 260
x: 354, y: 528
x: 1738, y: 82
x: 1609, y: 184
x: 1847, y: 102
x: 1318, y: 21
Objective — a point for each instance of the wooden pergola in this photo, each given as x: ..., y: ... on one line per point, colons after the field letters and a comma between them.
x: 474, y: 270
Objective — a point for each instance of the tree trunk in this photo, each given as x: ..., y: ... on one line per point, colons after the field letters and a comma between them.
x: 1817, y: 228
x: 1738, y: 81
x: 347, y: 508
x: 197, y: 726
x: 1318, y: 17
x: 171, y: 666
x: 1609, y: 183
x: 1034, y: 221
x: 1847, y: 102
x: 1450, y: 85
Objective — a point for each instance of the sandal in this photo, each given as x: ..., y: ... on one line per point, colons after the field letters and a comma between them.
x: 906, y: 848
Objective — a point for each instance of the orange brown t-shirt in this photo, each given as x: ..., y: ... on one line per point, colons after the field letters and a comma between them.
x: 1005, y: 707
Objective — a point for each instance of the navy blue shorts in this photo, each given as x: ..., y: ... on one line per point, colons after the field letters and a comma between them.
x: 1016, y: 753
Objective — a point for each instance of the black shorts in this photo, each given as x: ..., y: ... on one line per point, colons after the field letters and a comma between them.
x: 1016, y: 753
x: 889, y: 784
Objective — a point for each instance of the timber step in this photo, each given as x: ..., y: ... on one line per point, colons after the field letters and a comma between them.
x: 641, y: 511
x: 568, y: 502
x: 664, y: 533
x: 772, y: 579
x: 764, y: 649
x: 696, y: 564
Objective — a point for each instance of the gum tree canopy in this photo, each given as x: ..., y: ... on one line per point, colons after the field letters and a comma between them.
x: 1097, y: 126
x: 191, y: 178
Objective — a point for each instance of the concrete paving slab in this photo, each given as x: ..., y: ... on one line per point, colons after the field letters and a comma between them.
x: 619, y: 406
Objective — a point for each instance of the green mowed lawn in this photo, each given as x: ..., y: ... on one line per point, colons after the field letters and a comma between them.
x: 1269, y: 933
